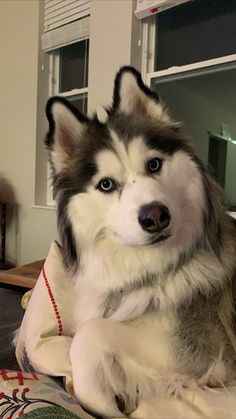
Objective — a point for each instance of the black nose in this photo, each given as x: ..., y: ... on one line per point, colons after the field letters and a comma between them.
x: 154, y: 217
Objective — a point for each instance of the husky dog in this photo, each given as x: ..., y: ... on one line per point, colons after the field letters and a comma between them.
x: 151, y: 249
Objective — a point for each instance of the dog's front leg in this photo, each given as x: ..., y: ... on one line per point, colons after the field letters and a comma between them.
x: 98, y: 356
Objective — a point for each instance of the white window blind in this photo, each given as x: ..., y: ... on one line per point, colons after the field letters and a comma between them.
x: 63, y: 23
x: 147, y: 8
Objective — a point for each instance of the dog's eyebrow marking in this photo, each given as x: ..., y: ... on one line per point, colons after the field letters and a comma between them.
x: 109, y: 165
x: 131, y: 154
x: 120, y: 192
x: 121, y: 150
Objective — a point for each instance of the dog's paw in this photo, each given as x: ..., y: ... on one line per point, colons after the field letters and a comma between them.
x: 25, y: 299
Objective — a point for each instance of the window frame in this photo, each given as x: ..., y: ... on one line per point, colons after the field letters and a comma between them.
x: 149, y: 39
x: 54, y: 75
x: 206, y: 66
x: 148, y: 47
x: 148, y: 52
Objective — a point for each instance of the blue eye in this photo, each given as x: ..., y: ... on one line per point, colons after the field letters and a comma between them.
x: 154, y: 165
x: 107, y: 185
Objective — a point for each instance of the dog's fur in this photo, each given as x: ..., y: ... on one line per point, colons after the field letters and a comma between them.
x: 147, y: 311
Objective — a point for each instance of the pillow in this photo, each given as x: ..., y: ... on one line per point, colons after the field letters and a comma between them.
x: 35, y: 395
x: 44, y: 338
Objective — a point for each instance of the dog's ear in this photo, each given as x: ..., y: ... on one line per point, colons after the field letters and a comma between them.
x: 66, y: 126
x: 132, y: 96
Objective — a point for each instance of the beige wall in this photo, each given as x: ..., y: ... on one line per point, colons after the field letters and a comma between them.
x: 111, y: 44
x: 28, y: 239
x: 111, y: 21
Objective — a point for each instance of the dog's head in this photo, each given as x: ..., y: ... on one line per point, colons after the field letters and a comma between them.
x: 133, y: 182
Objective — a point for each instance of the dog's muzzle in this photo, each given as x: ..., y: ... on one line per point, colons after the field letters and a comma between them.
x: 154, y: 217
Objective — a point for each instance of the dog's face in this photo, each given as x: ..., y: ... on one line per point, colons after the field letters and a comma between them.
x: 133, y: 180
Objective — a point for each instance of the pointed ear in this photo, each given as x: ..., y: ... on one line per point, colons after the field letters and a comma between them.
x: 132, y: 96
x: 66, y: 125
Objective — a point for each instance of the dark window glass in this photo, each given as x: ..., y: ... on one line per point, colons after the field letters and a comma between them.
x: 195, y: 31
x: 80, y: 102
x: 74, y: 66
x: 217, y: 157
x: 205, y: 102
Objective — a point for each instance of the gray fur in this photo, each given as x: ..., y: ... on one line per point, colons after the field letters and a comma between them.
x: 200, y: 335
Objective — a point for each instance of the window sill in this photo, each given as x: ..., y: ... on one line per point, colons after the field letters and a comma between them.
x: 44, y: 207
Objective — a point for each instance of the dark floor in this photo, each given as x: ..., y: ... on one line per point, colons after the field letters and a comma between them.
x: 11, y: 315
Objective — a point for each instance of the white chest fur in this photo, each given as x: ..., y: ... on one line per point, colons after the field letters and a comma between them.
x: 148, y: 335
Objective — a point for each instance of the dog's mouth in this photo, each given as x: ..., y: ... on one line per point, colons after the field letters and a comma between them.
x: 152, y: 239
x: 158, y: 239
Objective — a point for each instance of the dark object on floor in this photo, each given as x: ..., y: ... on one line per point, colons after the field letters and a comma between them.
x: 9, y: 217
x: 3, y: 230
x: 11, y: 314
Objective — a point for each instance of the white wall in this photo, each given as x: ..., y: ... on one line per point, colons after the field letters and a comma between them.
x: 30, y: 239
x: 111, y: 41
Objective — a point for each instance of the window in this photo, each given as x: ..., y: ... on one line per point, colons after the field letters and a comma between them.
x: 69, y: 73
x: 189, y: 58
x: 197, y: 31
x: 63, y: 70
x: 69, y: 78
